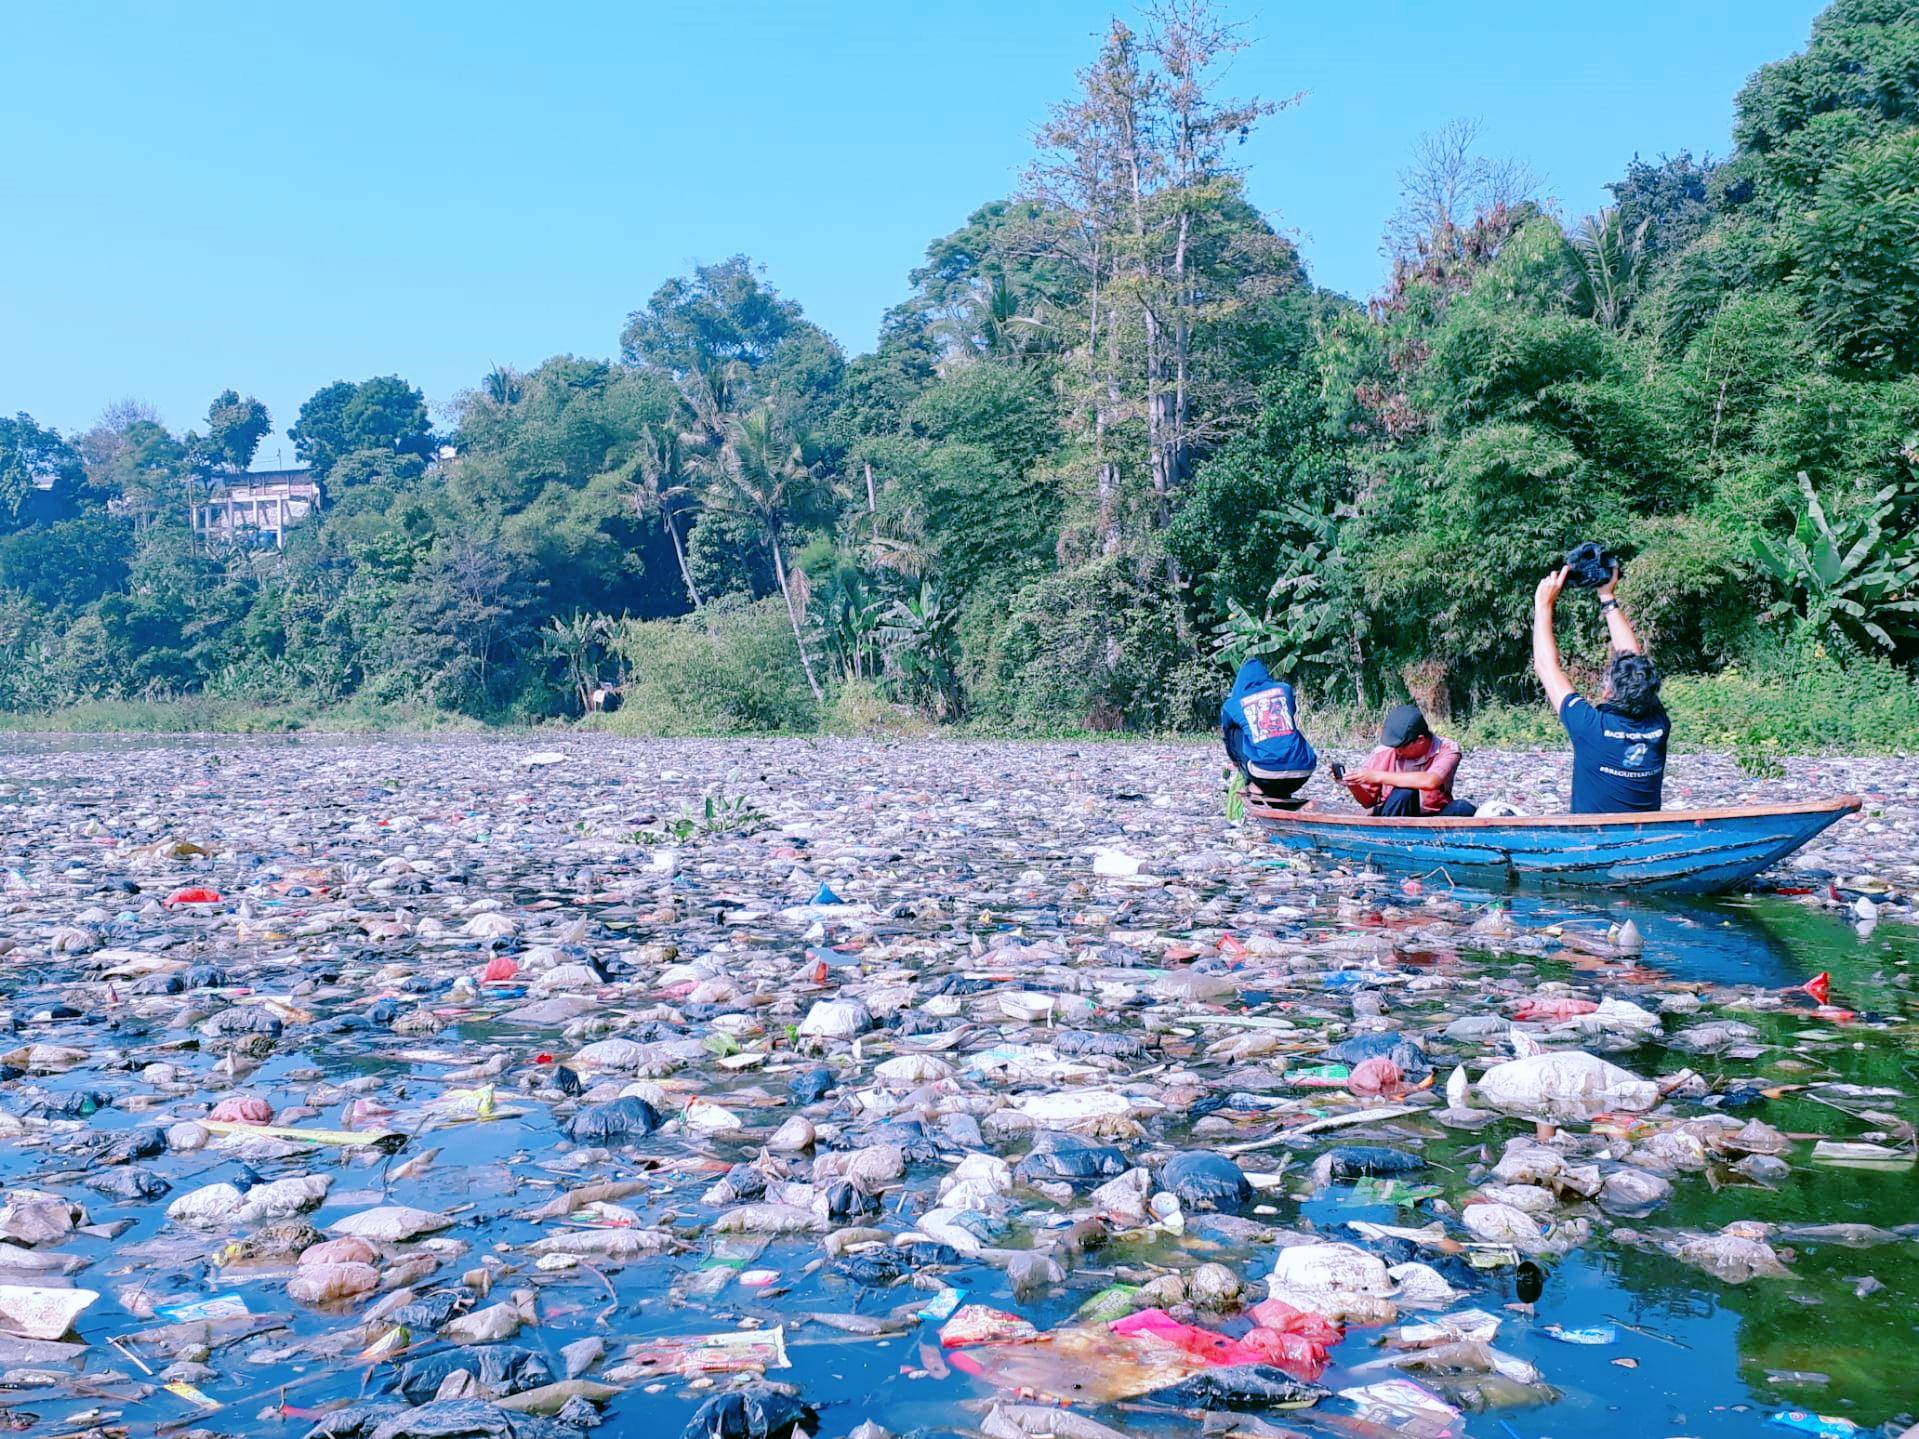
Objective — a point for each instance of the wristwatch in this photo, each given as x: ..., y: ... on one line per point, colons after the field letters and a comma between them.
x: 1605, y: 605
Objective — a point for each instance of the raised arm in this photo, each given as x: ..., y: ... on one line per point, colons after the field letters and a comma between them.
x: 1545, y: 645
x: 1618, y: 628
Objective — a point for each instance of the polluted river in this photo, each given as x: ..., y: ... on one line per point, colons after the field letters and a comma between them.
x: 515, y: 1086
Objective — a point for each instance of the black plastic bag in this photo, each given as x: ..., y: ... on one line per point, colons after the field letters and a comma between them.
x: 1058, y: 1157
x: 1203, y: 1180
x: 1251, y: 1386
x: 1401, y: 1049
x: 758, y: 1412
x: 628, y: 1117
x: 1362, y: 1161
x: 500, y: 1368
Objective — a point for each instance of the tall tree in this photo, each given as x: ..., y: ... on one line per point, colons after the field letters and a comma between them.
x: 719, y: 313
x: 1136, y: 189
x: 761, y: 474
x: 235, y: 428
x: 319, y: 435
x: 656, y: 477
x: 1447, y: 186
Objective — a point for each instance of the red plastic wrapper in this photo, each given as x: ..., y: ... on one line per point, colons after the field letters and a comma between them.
x: 1375, y: 1076
x: 1278, y: 1314
x: 1301, y: 1352
x: 1554, y: 1006
x: 1202, y: 1344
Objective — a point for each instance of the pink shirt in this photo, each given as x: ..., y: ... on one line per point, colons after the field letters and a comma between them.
x: 1441, y: 758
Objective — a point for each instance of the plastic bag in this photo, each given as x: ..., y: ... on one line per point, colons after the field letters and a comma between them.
x: 629, y: 1117
x: 757, y: 1412
x: 1565, y: 1085
x: 1203, y: 1180
x: 1060, y: 1157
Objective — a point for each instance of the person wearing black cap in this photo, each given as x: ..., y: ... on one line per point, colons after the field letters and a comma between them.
x: 1411, y: 773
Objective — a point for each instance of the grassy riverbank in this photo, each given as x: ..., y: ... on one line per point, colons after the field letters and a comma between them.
x: 1824, y: 710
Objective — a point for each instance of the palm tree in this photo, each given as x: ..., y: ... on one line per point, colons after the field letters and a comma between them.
x: 712, y: 394
x: 1609, y: 261
x: 988, y: 322
x: 761, y: 472
x: 502, y: 386
x: 658, y: 476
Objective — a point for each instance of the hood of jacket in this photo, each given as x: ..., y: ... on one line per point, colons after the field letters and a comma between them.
x: 1253, y: 677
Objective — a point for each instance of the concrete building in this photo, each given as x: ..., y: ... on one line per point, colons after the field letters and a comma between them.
x: 257, y: 507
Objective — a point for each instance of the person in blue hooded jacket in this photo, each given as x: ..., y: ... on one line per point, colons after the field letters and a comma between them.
x: 1260, y: 723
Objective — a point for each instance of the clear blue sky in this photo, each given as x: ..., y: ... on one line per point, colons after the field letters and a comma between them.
x: 196, y: 194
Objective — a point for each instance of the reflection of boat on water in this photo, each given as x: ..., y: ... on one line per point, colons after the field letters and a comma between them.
x: 1699, y: 851
x: 1747, y: 939
x: 1712, y: 940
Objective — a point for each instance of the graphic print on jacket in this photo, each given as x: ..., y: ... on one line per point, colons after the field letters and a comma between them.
x: 1259, y: 723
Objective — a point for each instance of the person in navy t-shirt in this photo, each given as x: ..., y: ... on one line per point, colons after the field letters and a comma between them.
x: 1619, y: 744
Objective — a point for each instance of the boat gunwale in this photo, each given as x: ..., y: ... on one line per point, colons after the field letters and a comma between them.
x: 1843, y: 805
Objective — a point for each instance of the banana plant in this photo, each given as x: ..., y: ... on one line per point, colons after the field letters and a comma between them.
x: 1850, y: 578
x: 918, y: 638
x: 1303, y: 621
x: 848, y: 612
x: 578, y: 643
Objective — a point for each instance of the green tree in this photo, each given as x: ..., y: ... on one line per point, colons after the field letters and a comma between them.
x: 384, y: 415
x: 319, y: 435
x: 40, y: 473
x: 68, y: 564
x: 1856, y: 80
x: 1670, y: 203
x: 719, y: 314
x: 139, y: 464
x: 761, y: 475
x: 1611, y: 257
x: 1857, y: 253
x: 235, y: 428
x: 660, y: 486
x: 1138, y: 201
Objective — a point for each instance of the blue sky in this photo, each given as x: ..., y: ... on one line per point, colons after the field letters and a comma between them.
x: 271, y: 197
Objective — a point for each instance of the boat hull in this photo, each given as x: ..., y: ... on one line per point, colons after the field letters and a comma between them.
x: 1677, y: 852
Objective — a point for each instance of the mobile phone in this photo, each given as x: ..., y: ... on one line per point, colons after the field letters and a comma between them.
x: 1339, y: 771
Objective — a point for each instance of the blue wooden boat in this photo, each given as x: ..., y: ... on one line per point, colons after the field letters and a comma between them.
x: 1689, y: 851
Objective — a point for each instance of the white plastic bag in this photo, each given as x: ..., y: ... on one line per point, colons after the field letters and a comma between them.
x: 1568, y: 1085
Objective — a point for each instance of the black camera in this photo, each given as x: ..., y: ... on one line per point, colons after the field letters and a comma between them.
x: 1591, y: 565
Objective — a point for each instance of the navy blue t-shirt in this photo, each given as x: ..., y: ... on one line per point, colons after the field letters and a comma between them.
x: 1619, y: 764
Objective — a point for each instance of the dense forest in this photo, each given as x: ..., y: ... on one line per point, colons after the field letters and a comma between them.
x: 1112, y: 439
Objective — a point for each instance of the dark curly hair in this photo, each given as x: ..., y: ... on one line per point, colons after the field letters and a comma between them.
x: 1632, y: 686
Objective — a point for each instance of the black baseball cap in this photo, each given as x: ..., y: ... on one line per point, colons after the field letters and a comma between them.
x: 1404, y: 724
